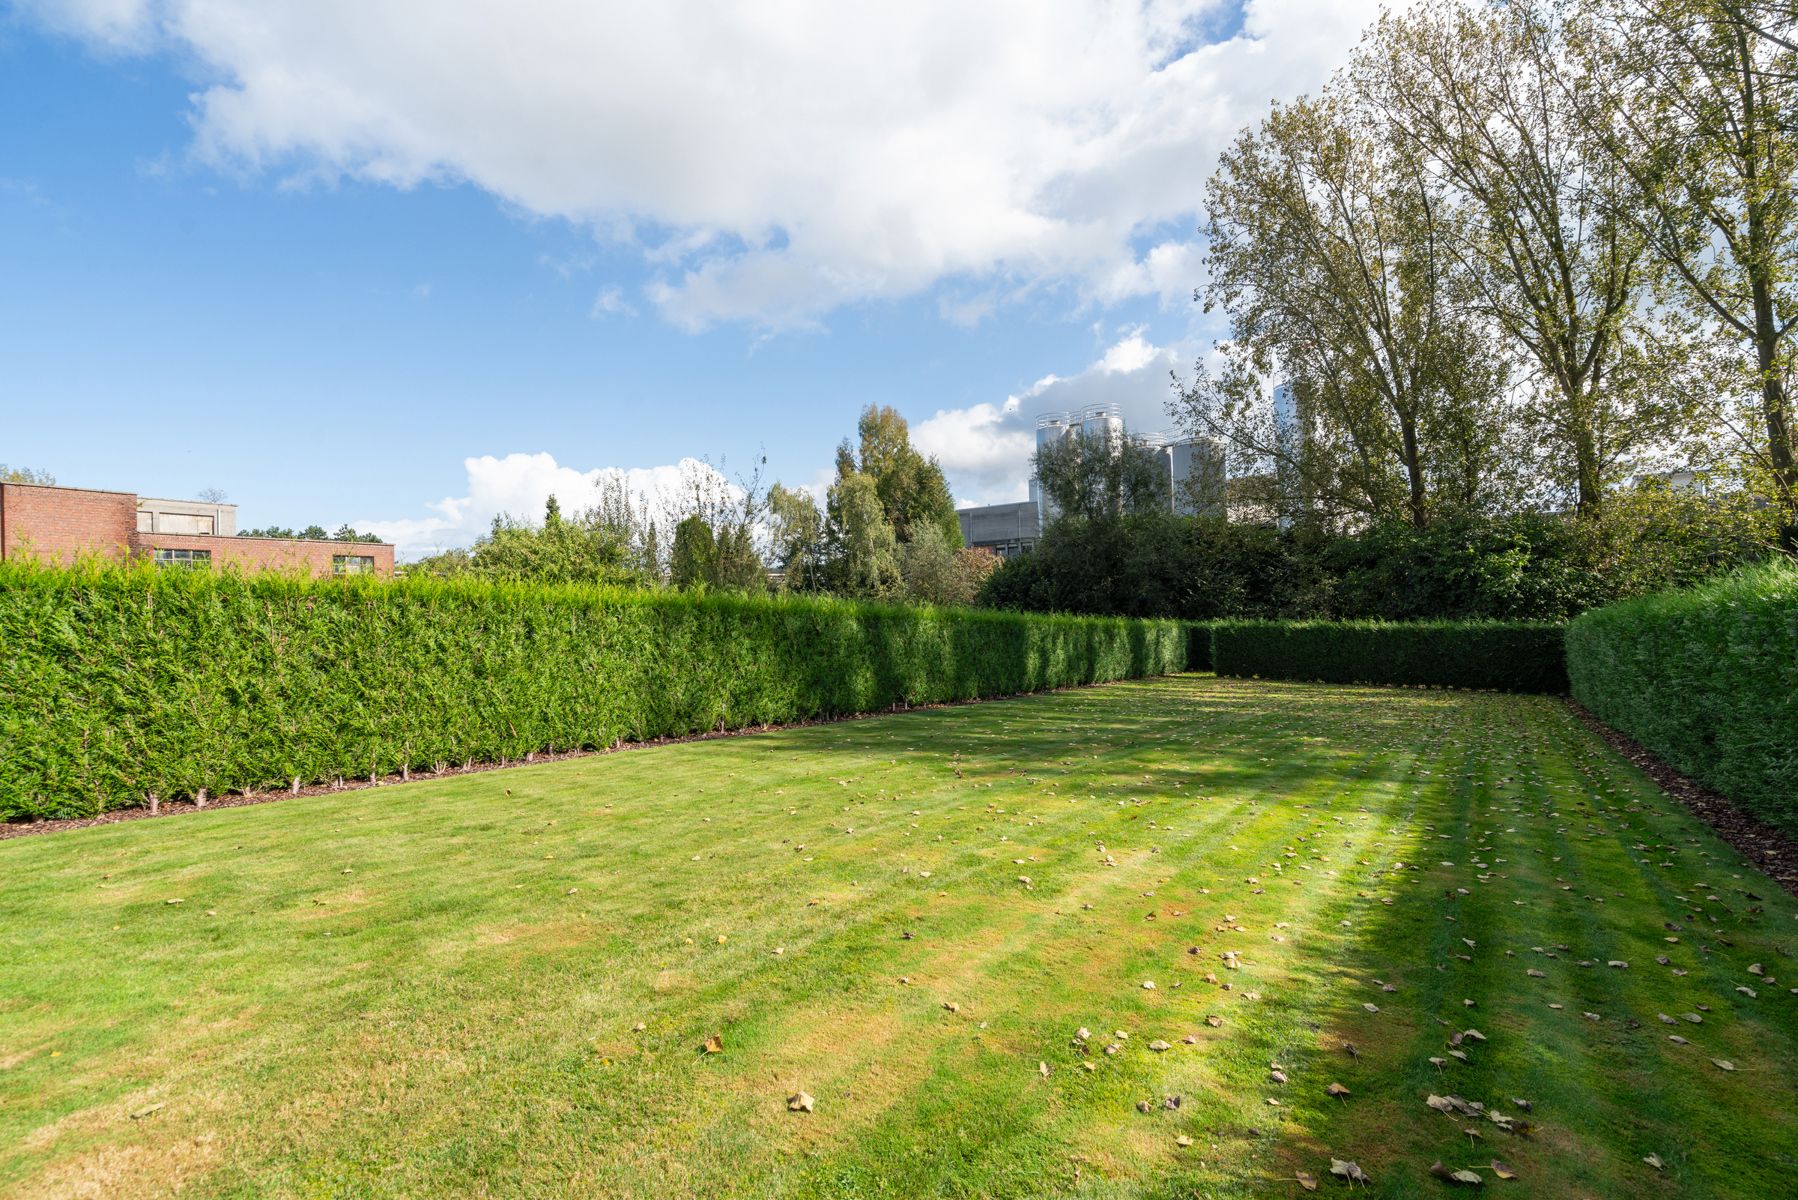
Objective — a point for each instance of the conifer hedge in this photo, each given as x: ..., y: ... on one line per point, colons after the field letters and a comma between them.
x: 1198, y: 645
x: 1706, y: 678
x: 118, y: 682
x: 1505, y: 656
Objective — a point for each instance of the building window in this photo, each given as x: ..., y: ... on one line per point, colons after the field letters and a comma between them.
x: 173, y: 522
x: 183, y: 558
x: 146, y: 521
x: 352, y: 564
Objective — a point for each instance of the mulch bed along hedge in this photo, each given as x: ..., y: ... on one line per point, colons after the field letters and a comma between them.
x: 1769, y: 849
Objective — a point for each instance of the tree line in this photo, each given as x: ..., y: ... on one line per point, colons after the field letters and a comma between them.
x: 887, y: 530
x: 1511, y: 256
x: 315, y: 533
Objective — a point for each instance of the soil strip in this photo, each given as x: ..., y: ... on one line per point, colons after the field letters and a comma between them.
x: 1770, y: 849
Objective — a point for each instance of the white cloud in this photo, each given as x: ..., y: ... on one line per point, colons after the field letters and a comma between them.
x: 980, y: 447
x: 771, y: 159
x: 1127, y: 356
x: 1170, y: 270
x: 520, y: 484
x: 985, y: 448
x: 611, y: 303
x: 114, y: 25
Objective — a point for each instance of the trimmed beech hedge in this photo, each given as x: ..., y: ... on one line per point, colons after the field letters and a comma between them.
x: 1706, y: 678
x: 1519, y: 656
x: 117, y: 682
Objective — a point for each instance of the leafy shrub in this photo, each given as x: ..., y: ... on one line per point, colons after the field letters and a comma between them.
x: 1519, y: 656
x: 1157, y: 564
x: 1522, y: 567
x: 121, y: 681
x: 1707, y: 678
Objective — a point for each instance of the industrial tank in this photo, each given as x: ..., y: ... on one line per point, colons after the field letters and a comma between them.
x: 1050, y: 429
x: 1102, y: 422
x: 1196, y: 476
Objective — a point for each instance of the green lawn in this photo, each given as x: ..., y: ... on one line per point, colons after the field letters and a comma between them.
x: 499, y: 984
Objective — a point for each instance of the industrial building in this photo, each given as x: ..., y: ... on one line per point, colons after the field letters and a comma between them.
x: 1194, y: 474
x: 1005, y: 529
x: 60, y: 525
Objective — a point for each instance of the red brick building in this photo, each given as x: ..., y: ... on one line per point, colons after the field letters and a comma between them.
x: 58, y: 524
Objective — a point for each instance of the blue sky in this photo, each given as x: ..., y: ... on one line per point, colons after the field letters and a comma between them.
x: 249, y: 254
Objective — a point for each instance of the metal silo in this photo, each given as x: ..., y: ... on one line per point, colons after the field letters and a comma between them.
x: 1103, y: 422
x: 1196, y: 472
x: 1158, y: 443
x: 1050, y: 429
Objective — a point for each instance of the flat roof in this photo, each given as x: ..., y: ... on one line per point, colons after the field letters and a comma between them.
x: 196, y: 503
x: 57, y: 487
x: 987, y: 508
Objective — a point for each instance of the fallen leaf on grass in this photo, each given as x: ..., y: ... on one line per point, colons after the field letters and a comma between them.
x: 713, y: 1044
x: 1470, y: 1178
x: 1308, y: 1182
x: 1723, y: 1064
x: 1348, y: 1170
x: 1336, y: 1089
x: 799, y: 1102
x: 1654, y: 1160
x: 146, y: 1110
x: 1502, y: 1170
